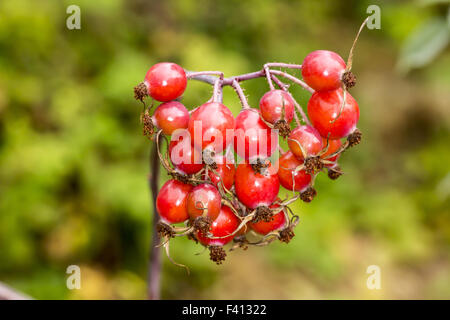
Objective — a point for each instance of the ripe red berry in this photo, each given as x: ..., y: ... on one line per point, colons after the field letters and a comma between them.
x: 185, y: 157
x: 225, y: 172
x: 253, y: 138
x: 306, y: 138
x: 322, y: 70
x: 290, y: 178
x: 165, y: 81
x: 256, y: 189
x: 278, y: 221
x: 226, y: 223
x: 323, y: 111
x: 204, y: 196
x: 214, y: 119
x: 271, y: 106
x: 333, y: 146
x: 170, y: 116
x: 171, y: 202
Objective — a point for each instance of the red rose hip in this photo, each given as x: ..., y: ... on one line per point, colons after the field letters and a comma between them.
x: 171, y: 202
x: 272, y: 103
x: 204, y: 197
x: 324, y: 109
x: 224, y: 173
x: 290, y: 178
x: 225, y: 224
x: 211, y: 120
x: 306, y: 138
x: 253, y: 138
x: 277, y: 222
x: 256, y: 189
x: 322, y: 70
x: 165, y: 81
x: 170, y: 116
x: 333, y: 146
x: 185, y: 157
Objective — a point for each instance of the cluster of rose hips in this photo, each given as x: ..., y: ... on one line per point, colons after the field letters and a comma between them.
x: 217, y: 201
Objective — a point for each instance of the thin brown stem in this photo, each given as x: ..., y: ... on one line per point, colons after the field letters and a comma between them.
x: 218, y: 92
x: 154, y: 268
x: 283, y: 65
x: 280, y: 84
x: 240, y: 94
x: 268, y: 77
x: 293, y: 79
x: 300, y: 110
x: 350, y: 55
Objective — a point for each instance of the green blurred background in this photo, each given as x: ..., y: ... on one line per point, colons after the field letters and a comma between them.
x: 74, y: 164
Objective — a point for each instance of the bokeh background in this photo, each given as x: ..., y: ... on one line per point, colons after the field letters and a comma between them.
x: 74, y: 164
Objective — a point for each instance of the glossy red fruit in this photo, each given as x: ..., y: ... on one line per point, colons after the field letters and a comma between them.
x: 165, y: 81
x: 226, y: 223
x: 322, y: 70
x: 170, y: 116
x: 214, y: 119
x: 256, y: 189
x: 271, y: 106
x: 252, y: 137
x: 333, y: 146
x: 278, y: 221
x: 171, y: 202
x: 324, y: 108
x: 308, y: 138
x: 185, y: 157
x: 224, y: 173
x: 289, y: 178
x: 204, y: 196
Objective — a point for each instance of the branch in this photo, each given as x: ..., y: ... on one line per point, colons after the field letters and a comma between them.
x: 8, y: 293
x: 293, y: 79
x: 241, y: 94
x: 208, y: 77
x: 154, y: 268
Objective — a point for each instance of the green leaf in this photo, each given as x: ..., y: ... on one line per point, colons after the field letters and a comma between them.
x: 423, y: 45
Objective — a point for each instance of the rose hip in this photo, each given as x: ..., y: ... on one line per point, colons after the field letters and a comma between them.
x: 170, y: 116
x: 225, y: 224
x: 272, y: 103
x: 256, y: 189
x: 165, y: 81
x: 324, y: 110
x: 253, y: 138
x: 289, y: 177
x: 277, y: 222
x: 215, y: 119
x: 185, y: 157
x: 171, y: 202
x: 322, y: 70
x: 333, y: 146
x: 204, y: 198
x: 306, y: 138
x: 224, y: 173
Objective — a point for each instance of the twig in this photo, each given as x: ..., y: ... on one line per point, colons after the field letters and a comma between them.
x: 269, y: 78
x: 283, y: 65
x: 154, y: 268
x: 241, y: 94
x: 293, y: 79
x: 300, y: 110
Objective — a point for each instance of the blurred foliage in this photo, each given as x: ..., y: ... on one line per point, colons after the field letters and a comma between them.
x: 74, y: 166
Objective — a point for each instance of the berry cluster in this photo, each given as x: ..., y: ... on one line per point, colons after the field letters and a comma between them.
x: 221, y: 196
